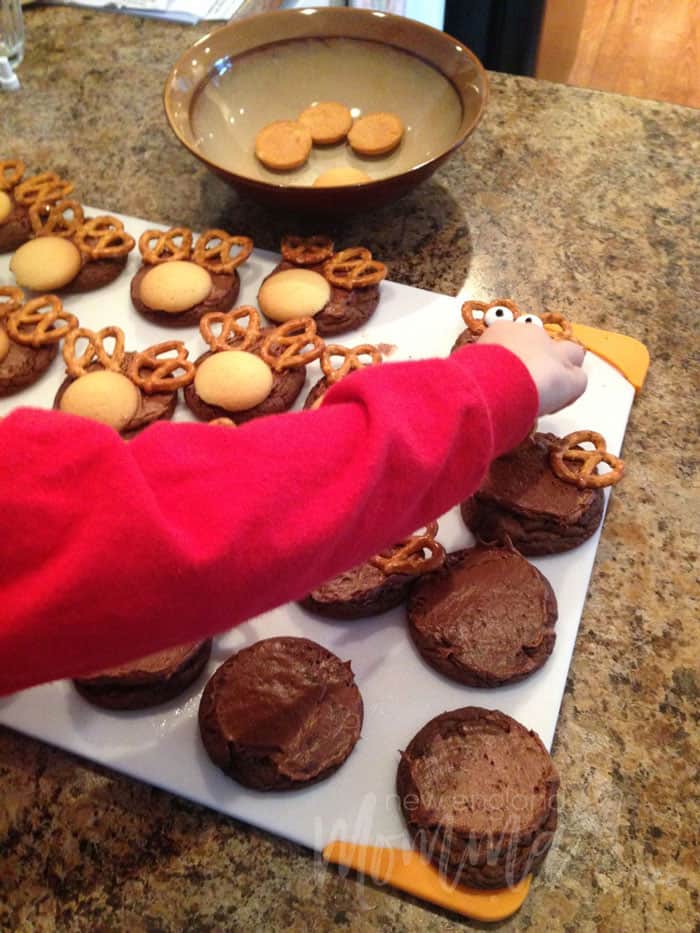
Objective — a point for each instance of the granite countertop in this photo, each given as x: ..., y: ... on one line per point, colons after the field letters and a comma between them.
x: 564, y: 199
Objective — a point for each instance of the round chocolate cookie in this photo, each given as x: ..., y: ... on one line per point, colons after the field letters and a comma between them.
x: 316, y: 392
x: 485, y: 619
x: 281, y: 714
x: 479, y: 795
x: 20, y: 366
x: 15, y: 229
x: 222, y: 297
x: 286, y: 386
x: 358, y: 593
x: 148, y: 681
x: 160, y: 406
x: 522, y: 499
x: 94, y: 274
x: 346, y: 310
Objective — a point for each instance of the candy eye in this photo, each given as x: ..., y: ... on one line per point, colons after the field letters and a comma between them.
x: 529, y: 319
x: 498, y: 313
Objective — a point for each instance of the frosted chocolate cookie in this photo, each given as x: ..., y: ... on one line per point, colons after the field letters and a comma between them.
x: 380, y: 583
x: 479, y: 315
x: 147, y: 681
x: 484, y: 620
x: 17, y: 196
x: 69, y: 253
x: 178, y: 283
x: 30, y: 333
x: 339, y: 290
x: 523, y: 499
x: 479, y: 795
x: 348, y: 360
x: 126, y: 391
x: 250, y: 371
x: 281, y: 714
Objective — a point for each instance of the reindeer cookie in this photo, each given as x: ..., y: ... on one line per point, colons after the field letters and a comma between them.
x: 17, y: 196
x: 339, y: 290
x: 382, y: 582
x: 350, y: 360
x: 478, y: 315
x: 249, y: 371
x: 30, y: 332
x: 69, y: 253
x: 124, y: 390
x: 179, y: 282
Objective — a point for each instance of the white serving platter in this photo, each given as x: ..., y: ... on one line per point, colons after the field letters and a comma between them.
x: 401, y: 693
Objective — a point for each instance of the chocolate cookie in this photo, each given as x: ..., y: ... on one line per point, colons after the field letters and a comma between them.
x: 222, y: 297
x: 346, y: 310
x: 521, y: 499
x: 358, y: 593
x: 479, y: 795
x: 286, y: 386
x: 21, y: 365
x: 94, y: 274
x: 281, y: 714
x: 484, y: 620
x: 160, y: 406
x: 15, y: 229
x: 146, y: 682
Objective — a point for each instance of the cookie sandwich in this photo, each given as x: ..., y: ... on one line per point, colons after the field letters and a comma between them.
x: 181, y: 280
x: 281, y: 714
x: 340, y: 290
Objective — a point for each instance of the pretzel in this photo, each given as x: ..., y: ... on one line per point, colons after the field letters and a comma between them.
x: 95, y: 351
x: 104, y: 238
x: 245, y: 337
x: 11, y: 171
x: 476, y: 325
x: 46, y: 187
x: 15, y: 299
x: 407, y: 557
x: 557, y: 326
x: 62, y: 218
x: 354, y: 268
x: 351, y: 360
x: 306, y: 251
x: 293, y: 336
x: 165, y: 245
x: 32, y: 326
x: 585, y: 477
x: 161, y: 378
x: 217, y: 258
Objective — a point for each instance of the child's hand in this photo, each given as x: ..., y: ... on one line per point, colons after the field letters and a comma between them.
x: 555, y: 365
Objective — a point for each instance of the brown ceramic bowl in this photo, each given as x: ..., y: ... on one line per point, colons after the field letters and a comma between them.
x: 254, y: 71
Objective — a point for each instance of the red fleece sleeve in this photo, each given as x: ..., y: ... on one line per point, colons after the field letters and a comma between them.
x: 110, y: 550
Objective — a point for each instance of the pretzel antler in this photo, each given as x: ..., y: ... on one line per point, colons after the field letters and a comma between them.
x: 246, y: 336
x: 557, y: 326
x: 62, y: 218
x: 351, y: 360
x: 95, y: 351
x: 217, y: 251
x: 11, y: 171
x: 35, y: 323
x: 153, y: 373
x: 104, y: 238
x: 306, y: 251
x: 294, y: 343
x: 584, y: 475
x: 47, y: 187
x: 354, y: 268
x: 11, y: 298
x: 165, y: 245
x: 407, y: 556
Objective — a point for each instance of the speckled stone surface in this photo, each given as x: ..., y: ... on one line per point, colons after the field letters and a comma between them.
x: 563, y: 199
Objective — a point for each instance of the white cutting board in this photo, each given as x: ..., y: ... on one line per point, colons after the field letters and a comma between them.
x: 401, y: 693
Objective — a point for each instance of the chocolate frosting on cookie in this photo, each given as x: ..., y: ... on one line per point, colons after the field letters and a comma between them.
x: 281, y: 714
x: 486, y: 619
x: 522, y: 499
x: 478, y: 792
x: 24, y: 365
x: 358, y: 593
x: 16, y: 229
